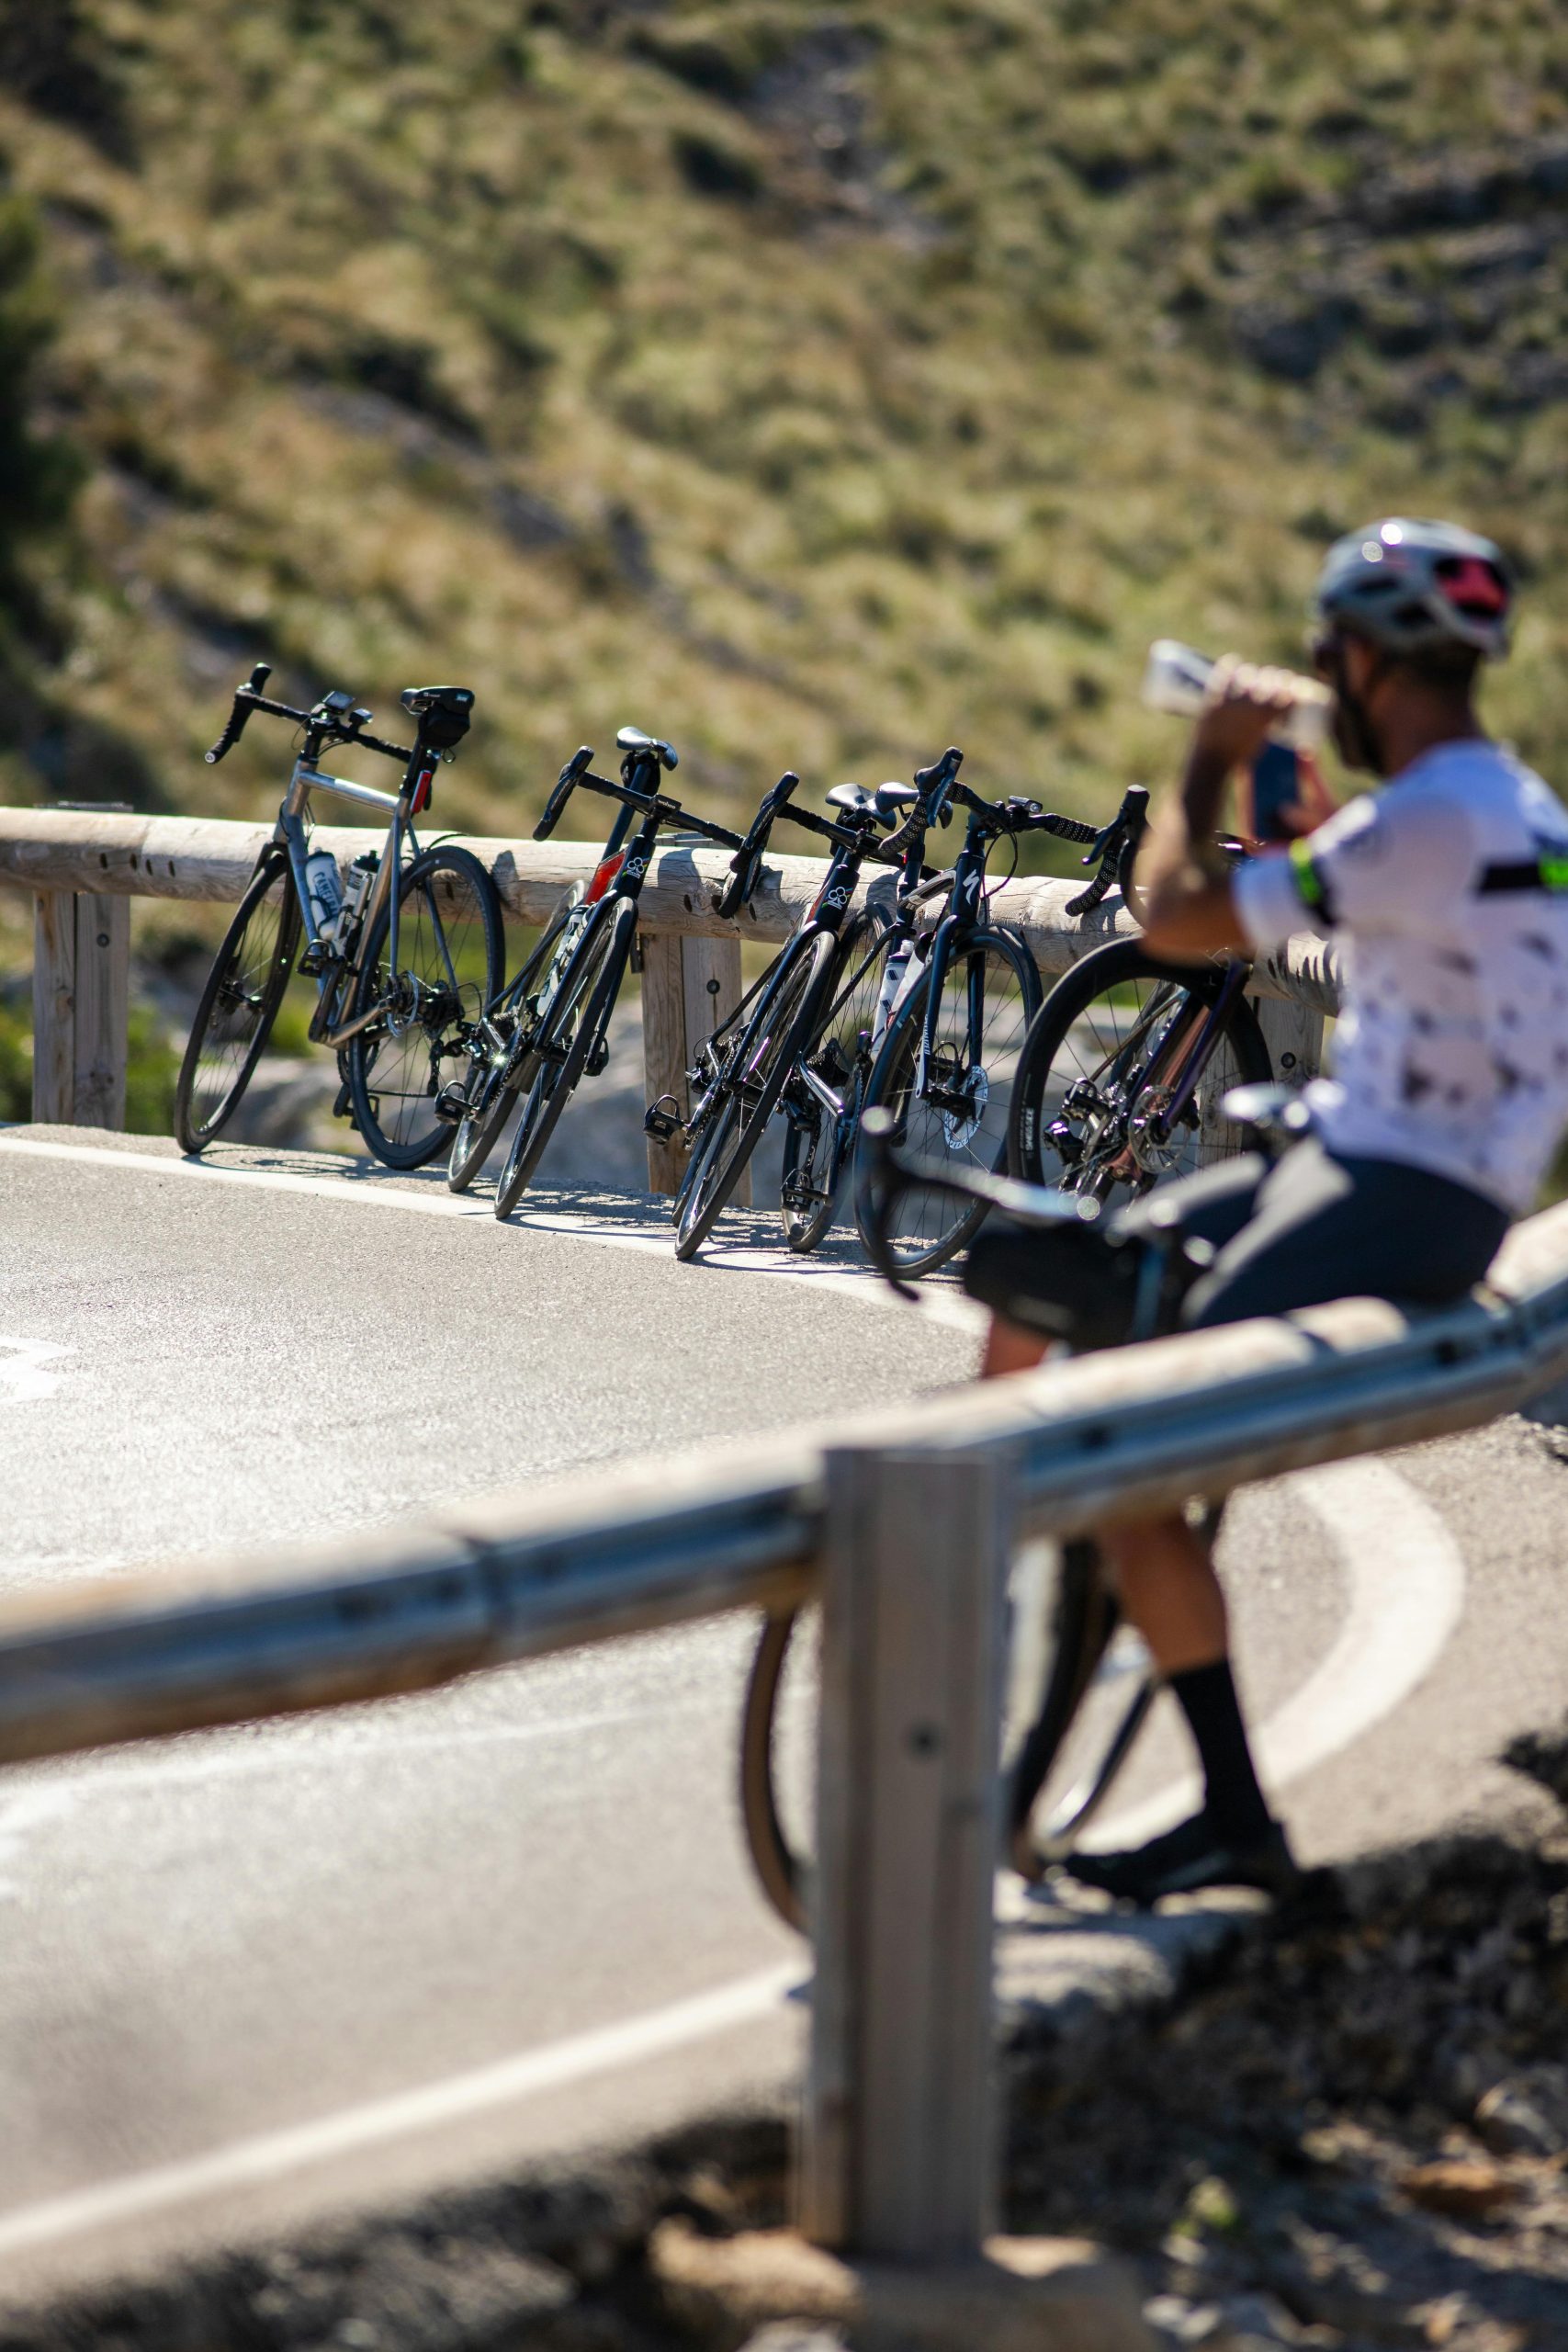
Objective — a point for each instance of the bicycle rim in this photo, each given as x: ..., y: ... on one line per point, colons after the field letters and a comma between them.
x: 754, y: 1078
x: 448, y: 969
x: 958, y: 1116
x: 557, y: 1057
x: 238, y: 1006
x: 815, y: 1140
x: 1116, y: 1042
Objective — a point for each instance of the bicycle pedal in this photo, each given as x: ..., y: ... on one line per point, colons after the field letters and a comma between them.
x: 342, y: 1108
x: 662, y: 1124
x: 598, y: 1060
x: 452, y: 1104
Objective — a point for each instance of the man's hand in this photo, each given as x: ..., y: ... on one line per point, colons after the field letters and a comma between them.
x: 1313, y: 805
x: 1243, y: 704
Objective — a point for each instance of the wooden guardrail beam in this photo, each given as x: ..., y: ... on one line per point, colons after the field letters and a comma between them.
x: 212, y: 858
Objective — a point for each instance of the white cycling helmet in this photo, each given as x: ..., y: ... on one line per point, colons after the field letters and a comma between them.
x: 1414, y: 588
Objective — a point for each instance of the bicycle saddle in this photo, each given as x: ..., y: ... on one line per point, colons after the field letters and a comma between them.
x: 443, y: 713
x: 632, y: 738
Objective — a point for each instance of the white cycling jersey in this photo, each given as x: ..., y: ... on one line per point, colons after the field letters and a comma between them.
x: 1446, y: 893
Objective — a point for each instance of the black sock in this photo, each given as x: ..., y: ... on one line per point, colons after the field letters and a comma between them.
x: 1232, y: 1797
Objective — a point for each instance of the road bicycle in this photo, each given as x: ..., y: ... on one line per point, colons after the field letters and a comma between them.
x: 1128, y: 1063
x: 561, y: 1021
x: 800, y: 1032
x: 1073, y: 1711
x: 873, y: 1009
x: 405, y: 953
x: 947, y: 1065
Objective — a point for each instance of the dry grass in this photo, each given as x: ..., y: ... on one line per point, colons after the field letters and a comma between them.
x: 815, y: 387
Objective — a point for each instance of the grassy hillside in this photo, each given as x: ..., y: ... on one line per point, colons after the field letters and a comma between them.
x: 815, y: 386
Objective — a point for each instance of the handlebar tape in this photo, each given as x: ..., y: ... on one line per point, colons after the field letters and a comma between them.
x: 581, y: 760
x: 745, y: 866
x: 243, y: 703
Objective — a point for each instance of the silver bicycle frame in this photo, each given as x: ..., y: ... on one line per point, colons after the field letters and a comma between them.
x: 292, y: 836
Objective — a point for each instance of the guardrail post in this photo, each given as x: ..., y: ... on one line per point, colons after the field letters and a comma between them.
x: 688, y: 986
x: 897, y: 2154
x: 81, y: 988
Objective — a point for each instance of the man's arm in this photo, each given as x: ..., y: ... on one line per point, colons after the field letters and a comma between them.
x: 1189, y: 907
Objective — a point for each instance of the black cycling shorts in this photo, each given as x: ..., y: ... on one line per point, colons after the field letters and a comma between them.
x: 1312, y: 1228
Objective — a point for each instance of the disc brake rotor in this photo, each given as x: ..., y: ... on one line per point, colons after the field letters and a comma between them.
x: 960, y: 1125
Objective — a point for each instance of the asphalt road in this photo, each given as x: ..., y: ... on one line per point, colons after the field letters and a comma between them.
x: 258, y: 1975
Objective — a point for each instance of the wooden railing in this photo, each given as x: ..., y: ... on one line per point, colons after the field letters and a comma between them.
x: 82, y: 866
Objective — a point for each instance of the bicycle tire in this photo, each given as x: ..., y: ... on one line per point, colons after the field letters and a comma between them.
x: 780, y: 1864
x: 1083, y: 1618
x: 434, y: 1009
x: 479, y: 1133
x: 979, y: 1138
x: 786, y: 1018
x: 588, y: 990
x: 816, y: 1148
x: 1099, y: 999
x: 269, y: 954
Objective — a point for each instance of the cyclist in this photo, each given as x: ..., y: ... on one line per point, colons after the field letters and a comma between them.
x: 1446, y: 892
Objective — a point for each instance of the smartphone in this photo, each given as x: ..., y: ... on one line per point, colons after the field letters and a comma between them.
x: 1276, y: 786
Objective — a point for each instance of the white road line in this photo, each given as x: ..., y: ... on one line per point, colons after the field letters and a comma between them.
x: 24, y: 1372
x: 273, y: 2156
x: 1406, y: 1579
x: 424, y: 1200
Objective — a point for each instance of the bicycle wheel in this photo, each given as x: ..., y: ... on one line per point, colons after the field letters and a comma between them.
x: 574, y: 1024
x: 1052, y: 1738
x: 496, y: 1076
x: 448, y: 968
x: 1110, y: 1049
x: 237, y: 1005
x: 815, y: 1140
x: 1077, y: 1729
x: 786, y: 1018
x: 959, y: 1114
x: 778, y: 1729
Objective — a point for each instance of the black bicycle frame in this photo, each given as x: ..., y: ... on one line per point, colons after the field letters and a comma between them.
x: 963, y: 917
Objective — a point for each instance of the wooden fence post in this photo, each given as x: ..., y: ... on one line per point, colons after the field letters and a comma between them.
x: 898, y: 2154
x: 688, y: 986
x: 1293, y: 1034
x: 81, y: 988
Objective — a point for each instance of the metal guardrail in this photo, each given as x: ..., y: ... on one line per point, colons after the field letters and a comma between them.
x: 903, y: 1520
x: 83, y: 865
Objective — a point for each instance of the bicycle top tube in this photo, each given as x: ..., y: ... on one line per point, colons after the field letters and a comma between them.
x: 369, y: 795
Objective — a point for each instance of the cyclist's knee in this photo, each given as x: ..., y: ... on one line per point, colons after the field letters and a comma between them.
x: 1009, y: 1348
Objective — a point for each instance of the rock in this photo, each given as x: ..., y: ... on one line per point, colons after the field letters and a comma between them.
x: 1526, y: 2114
x: 1466, y: 2191
x: 1022, y: 2295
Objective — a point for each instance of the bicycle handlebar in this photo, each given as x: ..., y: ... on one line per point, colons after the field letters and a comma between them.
x: 747, y: 866
x: 249, y: 698
x: 882, y: 1179
x: 651, y: 804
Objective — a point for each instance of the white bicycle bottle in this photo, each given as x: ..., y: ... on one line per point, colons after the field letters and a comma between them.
x: 325, y: 890
x: 1177, y: 676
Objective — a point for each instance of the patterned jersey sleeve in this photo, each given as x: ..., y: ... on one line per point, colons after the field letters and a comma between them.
x: 1382, y: 864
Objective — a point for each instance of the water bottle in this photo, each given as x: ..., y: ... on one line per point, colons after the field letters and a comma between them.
x: 325, y: 891
x: 355, y: 890
x: 1176, y: 678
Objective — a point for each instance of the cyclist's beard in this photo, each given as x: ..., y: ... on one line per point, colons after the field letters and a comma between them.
x: 1356, y: 738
